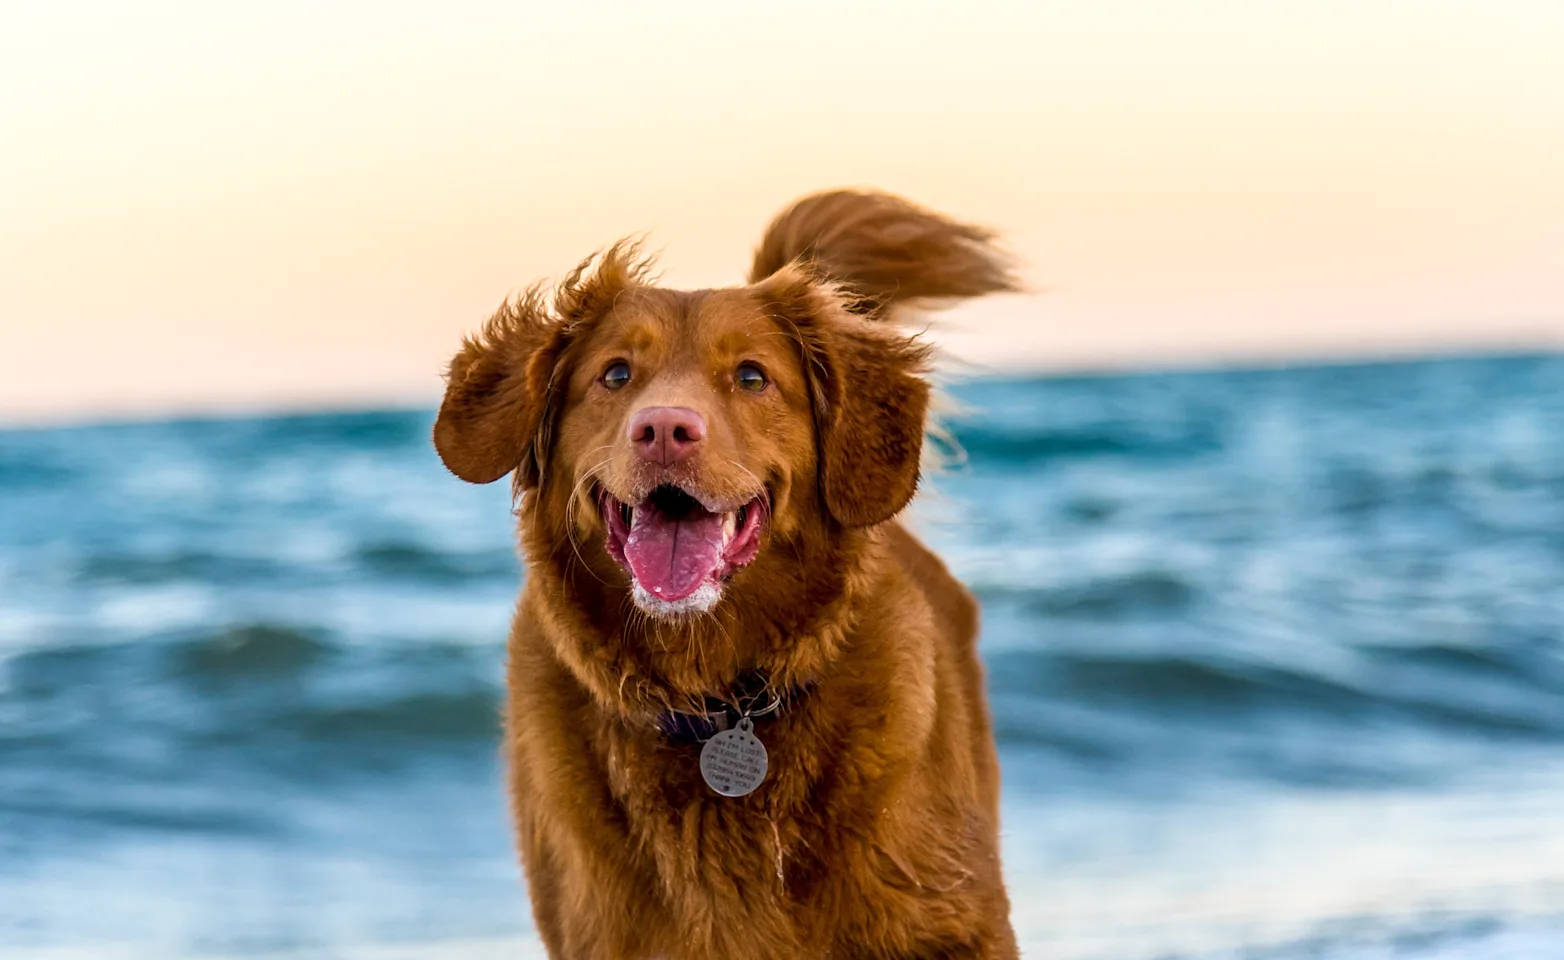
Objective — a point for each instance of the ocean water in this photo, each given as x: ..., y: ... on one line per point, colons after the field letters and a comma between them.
x: 1276, y: 661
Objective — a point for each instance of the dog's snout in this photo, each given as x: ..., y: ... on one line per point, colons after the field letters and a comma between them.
x: 666, y: 435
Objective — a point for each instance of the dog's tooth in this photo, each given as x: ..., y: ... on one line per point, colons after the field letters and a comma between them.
x: 729, y: 525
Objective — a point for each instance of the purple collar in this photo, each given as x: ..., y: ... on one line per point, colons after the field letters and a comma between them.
x: 751, y: 697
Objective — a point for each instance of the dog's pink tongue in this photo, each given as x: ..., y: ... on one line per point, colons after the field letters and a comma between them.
x: 670, y: 558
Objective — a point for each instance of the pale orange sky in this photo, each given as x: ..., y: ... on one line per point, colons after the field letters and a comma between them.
x: 220, y: 205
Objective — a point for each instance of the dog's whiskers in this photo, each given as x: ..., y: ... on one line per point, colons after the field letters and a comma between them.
x: 572, y: 505
x: 759, y: 484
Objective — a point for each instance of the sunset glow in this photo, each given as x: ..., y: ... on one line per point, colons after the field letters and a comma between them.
x: 293, y: 204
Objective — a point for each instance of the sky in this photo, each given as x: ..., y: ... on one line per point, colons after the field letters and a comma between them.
x: 210, y: 206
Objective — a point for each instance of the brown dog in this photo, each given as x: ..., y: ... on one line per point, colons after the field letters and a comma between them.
x: 708, y: 482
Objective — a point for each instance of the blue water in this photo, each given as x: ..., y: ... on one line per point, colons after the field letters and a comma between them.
x: 1276, y: 660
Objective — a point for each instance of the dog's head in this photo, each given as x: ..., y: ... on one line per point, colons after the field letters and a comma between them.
x: 679, y: 444
x: 699, y: 470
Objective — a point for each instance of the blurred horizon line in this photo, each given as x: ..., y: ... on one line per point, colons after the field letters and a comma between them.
x: 950, y: 368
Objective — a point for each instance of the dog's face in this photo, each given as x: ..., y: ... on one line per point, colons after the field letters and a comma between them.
x: 687, y: 427
x: 686, y: 443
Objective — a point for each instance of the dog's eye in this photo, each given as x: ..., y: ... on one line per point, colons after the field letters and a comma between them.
x: 617, y: 375
x: 749, y: 377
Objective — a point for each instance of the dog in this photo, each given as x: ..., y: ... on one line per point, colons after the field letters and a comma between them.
x: 745, y: 715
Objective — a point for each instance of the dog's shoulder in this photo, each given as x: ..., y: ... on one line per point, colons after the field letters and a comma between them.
x: 952, y: 606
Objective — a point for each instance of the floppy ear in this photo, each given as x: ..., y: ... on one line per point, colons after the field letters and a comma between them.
x: 496, y: 395
x: 872, y: 439
x: 870, y: 397
x: 500, y: 391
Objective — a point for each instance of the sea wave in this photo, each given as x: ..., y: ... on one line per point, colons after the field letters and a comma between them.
x: 262, y: 697
x: 1018, y: 445
x: 1286, y: 590
x: 303, y: 704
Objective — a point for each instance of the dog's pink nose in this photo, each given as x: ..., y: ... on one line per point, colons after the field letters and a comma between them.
x: 666, y: 434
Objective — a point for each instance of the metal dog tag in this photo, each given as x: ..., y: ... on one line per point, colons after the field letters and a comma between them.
x: 733, y: 762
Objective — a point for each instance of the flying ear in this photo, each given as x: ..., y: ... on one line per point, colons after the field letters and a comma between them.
x: 496, y: 395
x: 870, y: 397
x: 501, y: 390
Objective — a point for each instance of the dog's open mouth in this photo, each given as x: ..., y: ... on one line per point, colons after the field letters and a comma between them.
x: 673, y: 545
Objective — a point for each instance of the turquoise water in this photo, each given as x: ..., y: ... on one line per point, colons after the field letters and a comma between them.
x: 1276, y: 661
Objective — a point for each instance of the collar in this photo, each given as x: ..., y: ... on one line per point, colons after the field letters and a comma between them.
x: 752, y: 696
